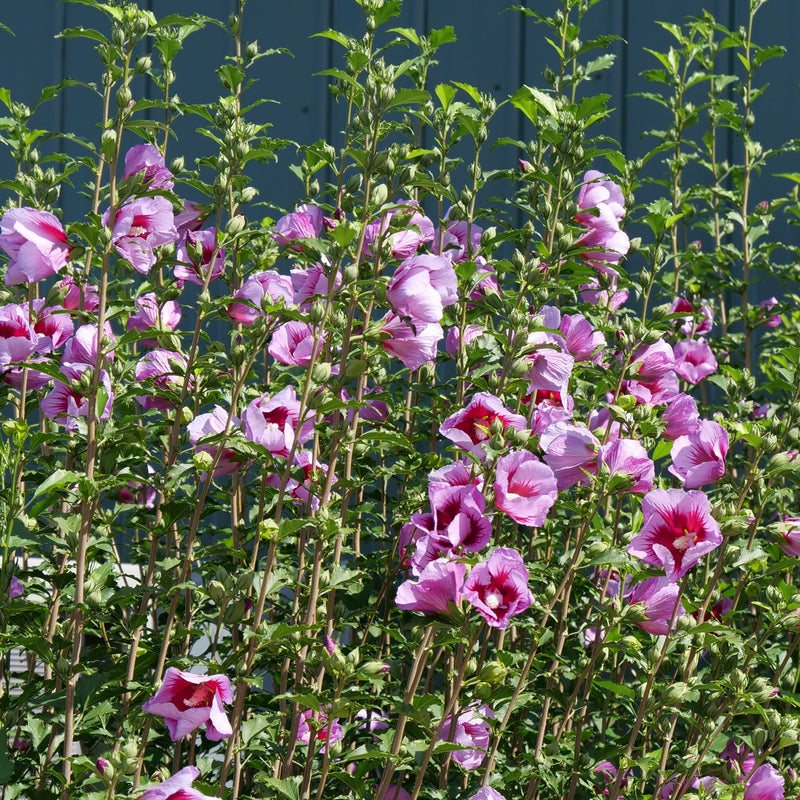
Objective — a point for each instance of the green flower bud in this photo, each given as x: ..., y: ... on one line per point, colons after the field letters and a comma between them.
x: 123, y: 96
x: 494, y: 672
x: 216, y: 591
x: 321, y: 372
x: 233, y: 613
x: 108, y: 143
x: 203, y: 461
x: 674, y: 694
x: 317, y: 312
x: 380, y: 194
x: 355, y: 368
x: 483, y: 690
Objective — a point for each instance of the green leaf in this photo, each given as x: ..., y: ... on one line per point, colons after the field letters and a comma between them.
x: 600, y: 63
x: 407, y: 33
x: 409, y: 96
x: 253, y: 726
x: 445, y: 94
x: 529, y: 101
x: 230, y: 76
x: 58, y: 478
x: 340, y: 75
x: 386, y: 11
x: 343, y: 40
x: 440, y: 36
x: 766, y: 53
x: 117, y: 14
x: 288, y: 787
x: 83, y: 33
x: 616, y: 688
x: 662, y: 449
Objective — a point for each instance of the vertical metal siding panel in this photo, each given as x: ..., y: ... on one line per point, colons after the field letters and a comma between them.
x: 195, y: 79
x: 777, y: 115
x: 301, y: 108
x: 34, y: 25
x: 487, y: 55
x: 82, y: 107
x: 605, y: 19
x: 643, y: 31
x: 349, y: 19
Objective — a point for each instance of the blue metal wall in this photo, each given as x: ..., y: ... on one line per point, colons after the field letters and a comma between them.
x: 496, y: 51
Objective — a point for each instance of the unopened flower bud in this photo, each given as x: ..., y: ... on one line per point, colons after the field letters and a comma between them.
x: 321, y: 372
x: 317, y: 312
x: 355, y: 368
x: 675, y: 693
x: 203, y: 461
x: 375, y: 668
x: 760, y: 689
x: 235, y: 225
x: 216, y: 591
x: 380, y: 194
x: 738, y: 679
x: 251, y: 51
x: 143, y: 63
x: 105, y: 770
x: 248, y: 194
x: 123, y: 96
x: 494, y: 672
x: 108, y: 143
x: 759, y: 738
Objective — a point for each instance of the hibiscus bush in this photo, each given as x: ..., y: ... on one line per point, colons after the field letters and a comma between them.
x: 445, y: 482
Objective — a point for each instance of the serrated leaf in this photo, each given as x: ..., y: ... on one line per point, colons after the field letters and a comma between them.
x: 445, y: 94
x: 615, y: 688
x: 440, y: 36
x: 470, y: 90
x: 528, y: 100
x: 406, y: 33
x: 288, y: 787
x: 58, y: 478
x: 335, y: 36
x: 83, y: 33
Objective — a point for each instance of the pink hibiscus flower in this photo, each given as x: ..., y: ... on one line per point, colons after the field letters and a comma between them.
x: 678, y: 531
x: 187, y: 701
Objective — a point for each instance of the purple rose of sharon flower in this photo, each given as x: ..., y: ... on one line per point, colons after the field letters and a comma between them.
x: 472, y: 731
x: 272, y: 421
x: 524, y: 488
x: 699, y: 457
x: 178, y: 787
x: 187, y: 701
x: 36, y: 242
x: 139, y: 226
x: 764, y: 784
x: 659, y: 597
x: 147, y: 158
x: 326, y: 729
x: 439, y: 585
x: 498, y: 587
x: 678, y: 531
x: 487, y: 793
x: 790, y: 536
